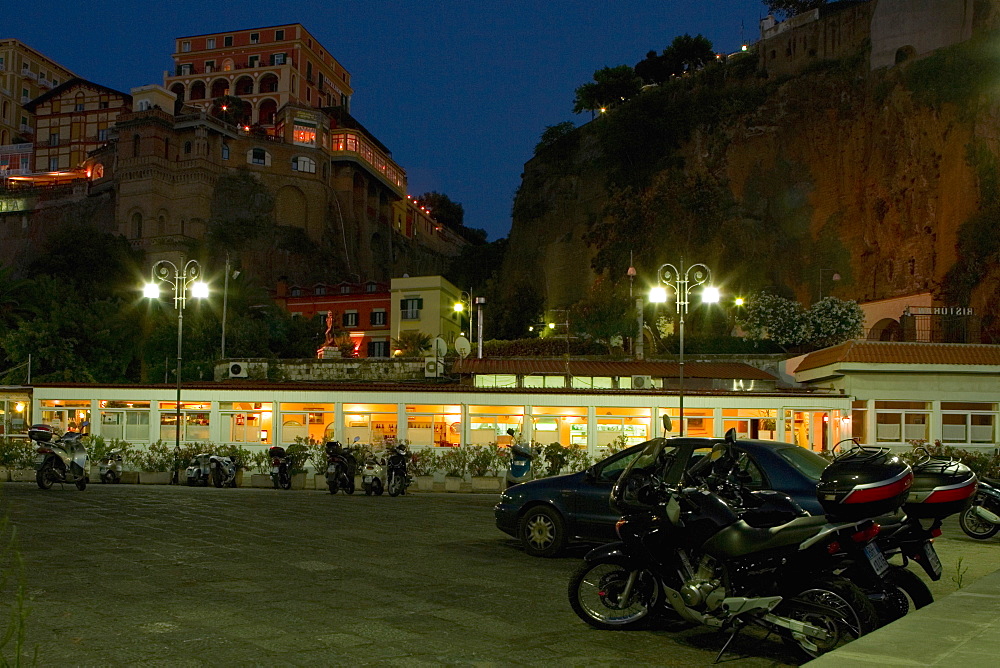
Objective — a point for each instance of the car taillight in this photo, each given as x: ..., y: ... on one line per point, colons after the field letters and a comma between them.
x: 867, y: 535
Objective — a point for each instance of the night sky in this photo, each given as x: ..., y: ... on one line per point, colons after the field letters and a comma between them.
x: 460, y: 91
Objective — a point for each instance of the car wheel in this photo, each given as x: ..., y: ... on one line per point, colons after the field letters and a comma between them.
x: 542, y: 532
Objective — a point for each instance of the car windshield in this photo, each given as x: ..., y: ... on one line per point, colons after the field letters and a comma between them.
x: 804, y: 461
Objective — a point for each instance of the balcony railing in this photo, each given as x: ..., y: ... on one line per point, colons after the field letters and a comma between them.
x: 357, y: 144
x: 29, y: 74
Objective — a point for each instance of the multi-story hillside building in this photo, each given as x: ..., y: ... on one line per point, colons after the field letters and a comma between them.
x: 267, y: 67
x: 24, y: 75
x: 72, y: 120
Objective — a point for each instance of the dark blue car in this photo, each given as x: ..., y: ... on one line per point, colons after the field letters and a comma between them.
x: 547, y: 514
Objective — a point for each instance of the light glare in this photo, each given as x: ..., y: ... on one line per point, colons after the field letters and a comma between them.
x: 658, y: 295
x: 199, y: 290
x: 151, y: 291
x: 710, y: 295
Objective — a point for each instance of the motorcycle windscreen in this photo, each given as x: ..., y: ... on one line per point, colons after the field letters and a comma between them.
x: 633, y: 490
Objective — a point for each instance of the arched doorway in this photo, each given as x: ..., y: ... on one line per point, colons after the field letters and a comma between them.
x: 886, y: 329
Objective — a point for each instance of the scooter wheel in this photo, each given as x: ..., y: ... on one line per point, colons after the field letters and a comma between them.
x: 377, y: 488
x: 81, y: 483
x: 43, y: 477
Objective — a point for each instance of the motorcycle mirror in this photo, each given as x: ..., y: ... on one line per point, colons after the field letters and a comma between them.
x: 731, y: 435
x: 667, y: 425
x: 510, y: 432
x: 356, y: 439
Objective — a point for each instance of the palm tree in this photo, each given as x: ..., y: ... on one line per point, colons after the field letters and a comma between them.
x: 412, y: 343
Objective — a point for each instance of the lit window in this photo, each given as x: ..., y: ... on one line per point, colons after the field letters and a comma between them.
x: 350, y: 319
x: 258, y: 156
x: 254, y: 37
x: 54, y: 139
x: 278, y: 59
x: 102, y: 135
x: 377, y: 318
x: 303, y: 134
x: 98, y: 171
x: 225, y: 151
x: 53, y: 164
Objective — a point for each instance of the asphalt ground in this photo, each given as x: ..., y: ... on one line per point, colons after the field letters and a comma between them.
x: 160, y: 575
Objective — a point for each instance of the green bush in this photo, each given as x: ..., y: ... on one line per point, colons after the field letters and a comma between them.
x: 155, y: 457
x: 454, y: 461
x: 423, y: 462
x: 554, y: 455
x: 17, y: 453
x: 485, y: 460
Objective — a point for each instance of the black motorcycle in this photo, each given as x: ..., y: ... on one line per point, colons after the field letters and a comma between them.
x: 341, y: 467
x: 685, y: 548
x: 282, y: 464
x: 397, y: 480
x: 981, y: 520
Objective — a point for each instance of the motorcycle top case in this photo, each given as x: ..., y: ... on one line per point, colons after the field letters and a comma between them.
x: 40, y: 432
x: 276, y: 451
x: 941, y: 487
x: 864, y: 482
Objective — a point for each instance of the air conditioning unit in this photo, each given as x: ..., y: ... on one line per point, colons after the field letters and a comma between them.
x: 433, y: 367
x: 247, y: 369
x: 642, y: 382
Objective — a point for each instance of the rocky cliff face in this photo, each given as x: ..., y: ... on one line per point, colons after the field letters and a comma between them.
x: 889, y: 178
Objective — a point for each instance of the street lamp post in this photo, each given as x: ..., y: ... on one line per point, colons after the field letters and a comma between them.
x: 682, y: 281
x: 183, y: 281
x: 463, y: 305
x: 225, y: 300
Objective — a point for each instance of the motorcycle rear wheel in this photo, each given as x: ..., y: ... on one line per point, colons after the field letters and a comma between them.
x: 110, y: 478
x: 286, y: 481
x: 907, y: 592
x: 81, y: 483
x: 217, y: 478
x: 595, y: 591
x: 975, y: 526
x: 43, y: 476
x: 850, y: 615
x: 377, y: 487
x: 332, y: 486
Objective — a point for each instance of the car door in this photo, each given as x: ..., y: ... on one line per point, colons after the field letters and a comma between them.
x: 592, y: 517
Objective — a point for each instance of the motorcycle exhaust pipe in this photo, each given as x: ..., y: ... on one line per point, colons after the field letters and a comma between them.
x: 990, y: 517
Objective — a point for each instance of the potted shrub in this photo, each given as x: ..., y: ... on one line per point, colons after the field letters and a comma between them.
x: 484, y: 467
x: 20, y: 459
x: 455, y: 464
x: 423, y: 464
x: 297, y: 454
x: 260, y: 464
x: 155, y: 463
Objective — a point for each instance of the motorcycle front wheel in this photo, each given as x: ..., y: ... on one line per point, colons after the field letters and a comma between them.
x: 975, y: 526
x: 848, y: 615
x: 597, y: 595
x: 395, y: 485
x: 81, y: 483
x: 43, y: 476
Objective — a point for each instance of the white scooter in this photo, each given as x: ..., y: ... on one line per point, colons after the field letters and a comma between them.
x: 373, y: 475
x: 63, y: 460
x: 110, y: 467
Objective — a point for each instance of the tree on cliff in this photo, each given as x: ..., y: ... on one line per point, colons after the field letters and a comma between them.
x: 611, y: 86
x: 685, y: 54
x: 605, y: 315
x: 788, y: 8
x: 443, y: 210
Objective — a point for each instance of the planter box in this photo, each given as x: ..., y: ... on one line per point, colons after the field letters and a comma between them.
x: 486, y: 484
x: 154, y: 477
x: 299, y: 481
x: 129, y: 478
x: 425, y: 483
x: 4, y: 475
x: 452, y: 484
x: 22, y: 475
x: 319, y: 481
x: 261, y: 480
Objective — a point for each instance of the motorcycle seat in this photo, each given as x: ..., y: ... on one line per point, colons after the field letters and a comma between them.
x: 740, y: 538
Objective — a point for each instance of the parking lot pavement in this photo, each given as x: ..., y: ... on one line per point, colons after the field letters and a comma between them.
x: 154, y: 575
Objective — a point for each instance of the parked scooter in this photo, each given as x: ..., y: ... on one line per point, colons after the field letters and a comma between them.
x: 373, y: 475
x: 522, y: 458
x: 199, y: 471
x: 281, y: 467
x: 982, y: 519
x: 63, y: 460
x: 340, y: 467
x: 397, y: 478
x: 110, y: 467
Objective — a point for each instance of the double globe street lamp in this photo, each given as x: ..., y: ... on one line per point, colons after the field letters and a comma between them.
x: 682, y: 281
x: 185, y: 282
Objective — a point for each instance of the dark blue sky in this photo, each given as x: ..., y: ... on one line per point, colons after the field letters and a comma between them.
x: 459, y: 90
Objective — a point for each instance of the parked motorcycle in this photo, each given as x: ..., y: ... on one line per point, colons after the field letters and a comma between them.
x: 340, y: 467
x: 397, y: 477
x: 282, y: 464
x: 522, y: 459
x: 373, y: 475
x: 687, y: 548
x: 219, y: 469
x: 982, y: 519
x: 63, y: 460
x: 110, y: 468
